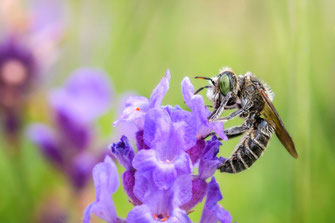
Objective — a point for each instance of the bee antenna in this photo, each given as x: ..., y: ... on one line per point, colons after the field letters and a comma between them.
x: 200, y: 89
x: 205, y: 78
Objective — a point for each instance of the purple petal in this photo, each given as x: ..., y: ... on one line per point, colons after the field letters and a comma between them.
x: 159, y: 92
x: 187, y: 91
x: 197, y: 150
x: 157, y: 128
x: 197, y: 105
x: 145, y: 160
x: 140, y: 141
x: 179, y: 215
x: 128, y: 180
x: 47, y: 141
x: 148, y: 193
x: 143, y: 214
x: 140, y: 214
x: 80, y: 170
x: 135, y: 108
x: 164, y: 175
x: 86, y: 96
x: 74, y: 133
x: 106, y: 182
x: 124, y: 152
x: 218, y: 128
x: 184, y: 130
x: 199, y: 189
x: 200, y: 109
x: 212, y: 211
x: 183, y: 164
x: 209, y: 162
x: 182, y: 189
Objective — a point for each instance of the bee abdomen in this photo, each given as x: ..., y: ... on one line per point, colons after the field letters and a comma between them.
x: 248, y: 150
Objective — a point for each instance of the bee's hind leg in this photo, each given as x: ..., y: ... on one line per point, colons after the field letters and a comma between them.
x: 236, y: 131
x: 232, y: 132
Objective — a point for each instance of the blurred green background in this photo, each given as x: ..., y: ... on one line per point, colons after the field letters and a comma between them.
x: 288, y: 44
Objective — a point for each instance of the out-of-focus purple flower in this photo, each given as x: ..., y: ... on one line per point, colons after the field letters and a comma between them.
x: 106, y: 182
x: 17, y: 68
x: 84, y: 98
x: 17, y: 65
x: 27, y: 49
x: 212, y: 211
x: 47, y: 140
x: 200, y: 111
x: 137, y: 106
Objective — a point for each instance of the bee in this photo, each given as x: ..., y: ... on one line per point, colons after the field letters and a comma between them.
x: 252, y: 99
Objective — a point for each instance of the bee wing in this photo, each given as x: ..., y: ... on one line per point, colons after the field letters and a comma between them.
x: 270, y: 114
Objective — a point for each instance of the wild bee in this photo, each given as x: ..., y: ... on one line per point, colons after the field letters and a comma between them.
x: 253, y: 100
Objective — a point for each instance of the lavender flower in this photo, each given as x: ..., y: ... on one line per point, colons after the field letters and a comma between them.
x: 137, y: 106
x: 212, y: 211
x: 85, y: 97
x: 159, y: 178
x: 106, y: 182
x: 26, y: 50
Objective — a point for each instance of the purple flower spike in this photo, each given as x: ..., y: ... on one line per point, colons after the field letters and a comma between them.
x: 212, y: 211
x: 124, y: 152
x: 47, y: 141
x: 106, y: 182
x: 86, y: 96
x: 170, y: 142
x: 197, y: 105
x: 137, y: 106
x: 17, y: 65
x: 209, y: 162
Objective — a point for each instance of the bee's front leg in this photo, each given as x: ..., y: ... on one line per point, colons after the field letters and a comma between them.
x: 231, y: 116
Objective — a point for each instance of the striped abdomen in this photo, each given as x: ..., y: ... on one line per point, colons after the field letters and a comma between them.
x: 249, y: 149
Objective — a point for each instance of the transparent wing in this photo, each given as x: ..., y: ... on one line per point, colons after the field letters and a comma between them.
x: 271, y: 115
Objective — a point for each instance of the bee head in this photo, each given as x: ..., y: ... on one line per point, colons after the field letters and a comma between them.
x: 227, y: 82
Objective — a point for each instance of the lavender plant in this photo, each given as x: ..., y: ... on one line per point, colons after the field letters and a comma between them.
x: 27, y: 48
x: 160, y: 178
x: 71, y: 144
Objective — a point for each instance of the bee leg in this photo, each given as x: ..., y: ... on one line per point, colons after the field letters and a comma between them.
x: 231, y: 116
x: 235, y: 131
x: 219, y: 109
x: 232, y: 132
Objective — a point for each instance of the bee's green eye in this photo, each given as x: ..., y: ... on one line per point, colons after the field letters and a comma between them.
x: 224, y: 84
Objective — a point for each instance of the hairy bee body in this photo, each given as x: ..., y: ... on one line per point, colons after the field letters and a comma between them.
x: 251, y: 147
x: 252, y: 99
